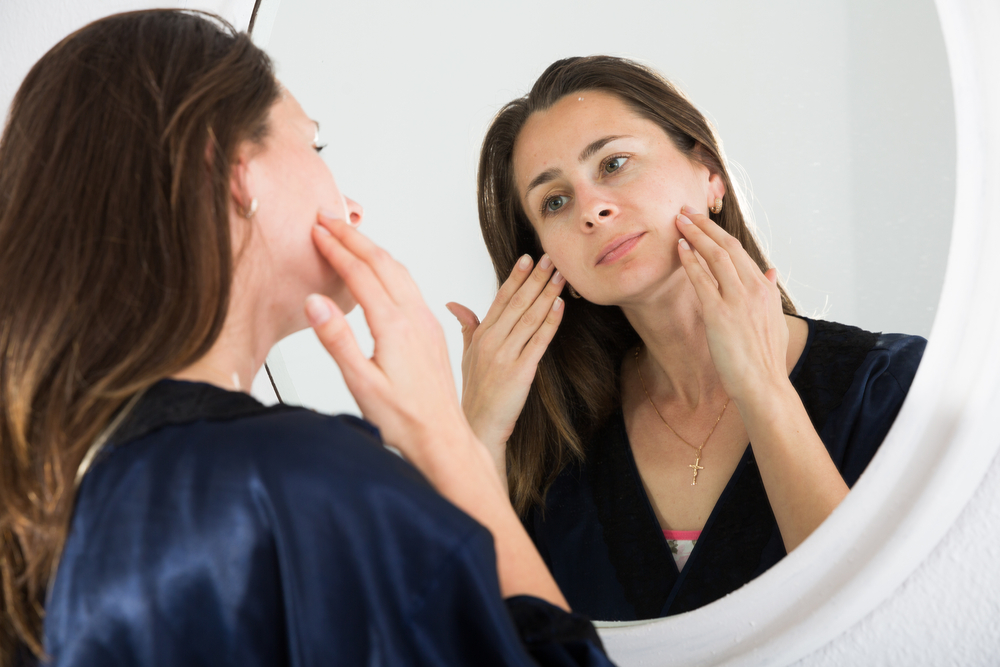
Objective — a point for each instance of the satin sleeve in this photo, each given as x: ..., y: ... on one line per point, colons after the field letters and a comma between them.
x: 286, y: 539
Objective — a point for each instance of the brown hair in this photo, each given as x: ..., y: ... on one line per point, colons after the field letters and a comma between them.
x: 115, y: 255
x: 576, y: 386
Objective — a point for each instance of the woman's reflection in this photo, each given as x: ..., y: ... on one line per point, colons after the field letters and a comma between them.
x: 623, y: 430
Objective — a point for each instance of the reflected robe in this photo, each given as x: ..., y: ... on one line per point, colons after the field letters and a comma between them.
x: 215, y: 531
x: 599, y: 535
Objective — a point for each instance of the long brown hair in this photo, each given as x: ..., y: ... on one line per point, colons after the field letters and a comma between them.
x: 576, y: 386
x: 115, y: 258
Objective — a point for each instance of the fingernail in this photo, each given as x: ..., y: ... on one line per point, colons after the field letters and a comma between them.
x: 557, y: 278
x: 684, y: 244
x: 684, y: 220
x: 687, y: 209
x: 557, y: 304
x: 328, y: 214
x: 317, y: 310
x: 321, y: 229
x: 525, y: 262
x: 544, y: 263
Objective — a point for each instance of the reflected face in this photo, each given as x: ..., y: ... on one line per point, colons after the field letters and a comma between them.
x: 292, y: 184
x: 602, y: 187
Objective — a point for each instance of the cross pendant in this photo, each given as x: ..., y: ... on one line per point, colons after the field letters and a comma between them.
x: 695, y: 469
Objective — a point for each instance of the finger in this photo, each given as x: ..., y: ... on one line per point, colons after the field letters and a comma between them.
x: 396, y: 279
x: 520, y: 273
x: 704, y: 285
x: 524, y: 297
x: 333, y: 331
x: 356, y: 274
x: 718, y: 258
x: 467, y: 319
x: 746, y: 268
x: 537, y: 315
x: 539, y: 341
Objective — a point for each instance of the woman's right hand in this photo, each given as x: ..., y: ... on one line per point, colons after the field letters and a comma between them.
x: 502, y: 352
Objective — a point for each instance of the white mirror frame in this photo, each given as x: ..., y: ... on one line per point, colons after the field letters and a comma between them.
x: 934, y: 457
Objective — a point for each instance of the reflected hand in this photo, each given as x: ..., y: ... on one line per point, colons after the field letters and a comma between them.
x: 501, y: 354
x: 746, y: 328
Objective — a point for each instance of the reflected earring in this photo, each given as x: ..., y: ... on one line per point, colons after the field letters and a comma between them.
x: 717, y: 208
x: 249, y: 213
x: 573, y: 293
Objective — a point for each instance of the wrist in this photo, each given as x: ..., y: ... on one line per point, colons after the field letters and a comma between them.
x: 769, y: 403
x: 455, y: 461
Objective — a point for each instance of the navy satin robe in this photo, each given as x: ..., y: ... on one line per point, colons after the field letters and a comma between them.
x: 599, y: 535
x: 215, y: 531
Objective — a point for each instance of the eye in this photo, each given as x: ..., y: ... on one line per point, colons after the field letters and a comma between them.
x: 553, y: 204
x: 613, y: 164
x: 318, y: 147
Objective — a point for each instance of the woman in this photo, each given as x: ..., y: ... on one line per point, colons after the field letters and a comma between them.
x: 661, y: 445
x: 159, y: 199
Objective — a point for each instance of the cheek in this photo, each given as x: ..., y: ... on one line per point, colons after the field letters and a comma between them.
x: 565, y: 255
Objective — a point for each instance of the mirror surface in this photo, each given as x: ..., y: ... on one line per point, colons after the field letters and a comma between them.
x: 838, y: 114
x: 840, y: 117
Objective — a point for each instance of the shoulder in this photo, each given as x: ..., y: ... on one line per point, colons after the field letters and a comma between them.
x: 852, y: 383
x: 221, y: 453
x: 836, y: 355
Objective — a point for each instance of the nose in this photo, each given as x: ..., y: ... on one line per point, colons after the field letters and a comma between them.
x: 595, y: 208
x: 355, y: 211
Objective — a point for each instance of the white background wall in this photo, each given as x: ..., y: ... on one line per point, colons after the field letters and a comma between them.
x: 947, y: 612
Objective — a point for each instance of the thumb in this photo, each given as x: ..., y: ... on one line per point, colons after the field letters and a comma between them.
x: 466, y: 318
x: 333, y: 331
x: 772, y: 275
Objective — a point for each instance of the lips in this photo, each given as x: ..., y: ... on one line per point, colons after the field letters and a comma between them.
x: 618, y: 247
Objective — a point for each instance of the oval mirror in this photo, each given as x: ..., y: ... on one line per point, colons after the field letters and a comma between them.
x: 841, y: 117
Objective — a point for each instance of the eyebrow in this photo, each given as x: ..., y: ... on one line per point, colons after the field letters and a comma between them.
x: 585, y: 154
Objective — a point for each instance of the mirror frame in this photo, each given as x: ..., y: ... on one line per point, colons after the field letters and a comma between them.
x: 935, y: 455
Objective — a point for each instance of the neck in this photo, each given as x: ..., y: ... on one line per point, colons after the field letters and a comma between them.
x: 676, y: 362
x: 253, y: 326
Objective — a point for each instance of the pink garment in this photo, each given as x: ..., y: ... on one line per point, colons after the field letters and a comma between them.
x: 681, y: 543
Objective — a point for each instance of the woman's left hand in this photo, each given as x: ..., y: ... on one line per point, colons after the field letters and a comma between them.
x: 744, y: 322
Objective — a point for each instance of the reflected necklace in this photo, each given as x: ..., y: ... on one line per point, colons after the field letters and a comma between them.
x: 695, y: 467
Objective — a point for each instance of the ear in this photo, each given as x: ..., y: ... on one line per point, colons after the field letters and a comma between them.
x: 716, y: 188
x: 716, y: 185
x: 239, y: 180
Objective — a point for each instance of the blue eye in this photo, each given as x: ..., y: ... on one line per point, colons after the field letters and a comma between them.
x: 553, y: 204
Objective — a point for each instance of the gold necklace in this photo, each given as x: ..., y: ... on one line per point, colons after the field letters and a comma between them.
x: 695, y: 467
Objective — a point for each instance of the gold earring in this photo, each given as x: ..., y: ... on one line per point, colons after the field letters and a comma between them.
x: 717, y: 208
x: 572, y: 292
x: 249, y: 213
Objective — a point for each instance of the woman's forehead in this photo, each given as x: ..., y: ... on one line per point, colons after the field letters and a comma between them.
x: 557, y: 135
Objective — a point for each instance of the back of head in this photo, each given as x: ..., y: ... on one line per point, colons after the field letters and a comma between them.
x: 115, y: 255
x: 577, y: 385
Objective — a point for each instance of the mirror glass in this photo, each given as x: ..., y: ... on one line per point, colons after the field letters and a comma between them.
x: 836, y: 116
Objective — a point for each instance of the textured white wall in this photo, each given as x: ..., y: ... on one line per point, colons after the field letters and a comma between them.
x: 947, y: 612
